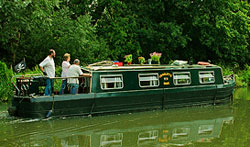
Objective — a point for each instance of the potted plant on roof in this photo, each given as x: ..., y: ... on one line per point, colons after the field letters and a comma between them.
x: 141, y: 60
x: 128, y: 59
x: 155, y: 57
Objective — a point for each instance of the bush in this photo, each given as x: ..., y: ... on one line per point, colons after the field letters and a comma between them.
x: 242, y: 75
x: 226, y: 70
x: 34, y: 70
x: 6, y: 89
x: 245, y: 75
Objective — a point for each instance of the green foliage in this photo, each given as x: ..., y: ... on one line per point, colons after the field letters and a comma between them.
x: 58, y: 71
x: 226, y: 70
x: 34, y: 70
x: 242, y: 76
x: 119, y: 28
x: 5, y: 82
x: 239, y: 81
x: 36, y: 26
x: 109, y: 29
x: 94, y: 31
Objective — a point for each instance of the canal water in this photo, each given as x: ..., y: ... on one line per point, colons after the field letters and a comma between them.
x: 220, y: 125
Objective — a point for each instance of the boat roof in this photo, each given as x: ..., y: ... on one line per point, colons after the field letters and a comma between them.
x: 146, y: 66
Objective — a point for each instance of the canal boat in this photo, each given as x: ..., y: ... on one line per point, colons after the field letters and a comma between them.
x: 109, y: 88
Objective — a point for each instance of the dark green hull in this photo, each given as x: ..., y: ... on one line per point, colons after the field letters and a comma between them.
x: 121, y: 102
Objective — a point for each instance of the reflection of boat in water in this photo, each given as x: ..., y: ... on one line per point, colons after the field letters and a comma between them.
x: 113, y: 139
x: 151, y: 135
x: 176, y: 127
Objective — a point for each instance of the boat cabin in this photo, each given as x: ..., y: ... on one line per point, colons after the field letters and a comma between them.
x: 117, y: 78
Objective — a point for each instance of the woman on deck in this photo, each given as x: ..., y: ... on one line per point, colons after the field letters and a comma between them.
x: 65, y: 68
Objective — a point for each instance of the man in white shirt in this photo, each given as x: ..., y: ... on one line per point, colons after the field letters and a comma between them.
x: 74, y: 71
x: 47, y: 66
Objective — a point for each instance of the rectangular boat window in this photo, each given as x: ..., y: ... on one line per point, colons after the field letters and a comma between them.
x: 111, y: 82
x: 182, y: 78
x: 206, y: 77
x: 149, y: 80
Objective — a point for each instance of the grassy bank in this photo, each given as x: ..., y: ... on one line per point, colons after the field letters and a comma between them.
x: 242, y: 77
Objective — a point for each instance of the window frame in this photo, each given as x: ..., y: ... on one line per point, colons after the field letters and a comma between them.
x: 206, y: 77
x: 113, y: 75
x: 178, y: 73
x: 149, y: 74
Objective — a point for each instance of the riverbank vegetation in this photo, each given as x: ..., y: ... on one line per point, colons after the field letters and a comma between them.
x: 5, y: 82
x: 242, y: 75
x: 96, y: 30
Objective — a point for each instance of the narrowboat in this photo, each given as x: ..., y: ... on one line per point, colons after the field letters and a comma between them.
x: 108, y: 88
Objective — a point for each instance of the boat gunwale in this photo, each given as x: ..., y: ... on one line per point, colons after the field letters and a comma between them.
x: 225, y: 85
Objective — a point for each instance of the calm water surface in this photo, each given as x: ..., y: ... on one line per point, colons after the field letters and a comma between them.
x: 223, y: 125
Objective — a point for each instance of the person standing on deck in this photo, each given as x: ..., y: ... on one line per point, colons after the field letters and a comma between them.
x: 74, y: 71
x: 65, y: 68
x: 47, y: 66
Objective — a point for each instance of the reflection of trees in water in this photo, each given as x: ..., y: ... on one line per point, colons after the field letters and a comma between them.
x: 242, y: 93
x: 238, y: 133
x: 75, y: 140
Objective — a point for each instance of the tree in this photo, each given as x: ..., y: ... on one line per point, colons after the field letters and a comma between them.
x: 36, y: 26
